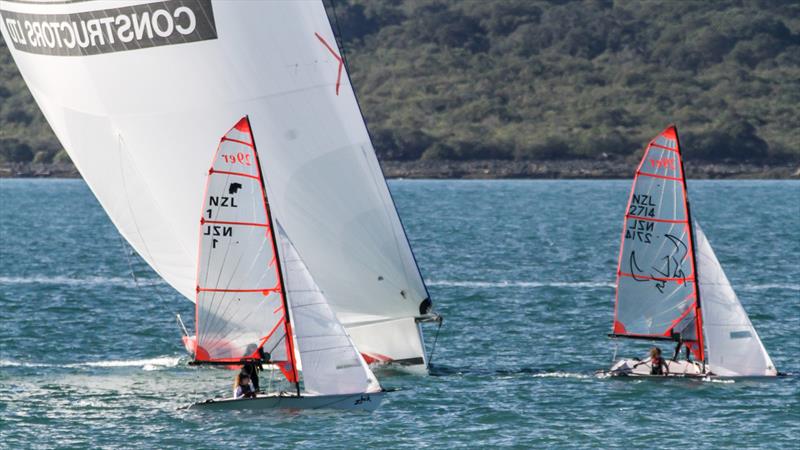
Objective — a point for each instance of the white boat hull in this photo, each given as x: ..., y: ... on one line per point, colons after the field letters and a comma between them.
x: 363, y: 402
x: 638, y: 368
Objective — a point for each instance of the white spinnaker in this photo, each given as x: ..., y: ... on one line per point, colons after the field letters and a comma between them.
x: 734, y: 348
x: 331, y: 364
x: 163, y: 105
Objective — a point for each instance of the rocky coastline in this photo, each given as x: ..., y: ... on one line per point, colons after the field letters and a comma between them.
x: 493, y: 169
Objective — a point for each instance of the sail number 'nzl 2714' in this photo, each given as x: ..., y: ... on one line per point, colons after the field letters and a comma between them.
x: 642, y: 205
x: 640, y: 230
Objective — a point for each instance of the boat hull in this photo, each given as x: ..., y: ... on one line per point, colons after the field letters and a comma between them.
x: 677, y: 369
x: 362, y: 402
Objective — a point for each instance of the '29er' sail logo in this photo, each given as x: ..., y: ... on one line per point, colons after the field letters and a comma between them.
x: 110, y: 30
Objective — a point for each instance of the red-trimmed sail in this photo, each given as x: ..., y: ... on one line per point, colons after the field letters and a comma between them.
x: 240, y: 297
x: 656, y: 286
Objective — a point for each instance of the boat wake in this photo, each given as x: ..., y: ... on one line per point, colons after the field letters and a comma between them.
x: 157, y: 363
x: 86, y: 281
x: 577, y: 284
x: 521, y: 284
x: 436, y: 370
x: 764, y: 287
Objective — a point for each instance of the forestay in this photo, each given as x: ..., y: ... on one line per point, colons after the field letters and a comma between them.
x: 656, y: 288
x: 240, y: 303
x: 143, y: 98
x: 734, y: 348
x: 331, y: 363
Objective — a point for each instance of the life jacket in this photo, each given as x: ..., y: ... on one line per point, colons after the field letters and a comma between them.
x: 657, y: 366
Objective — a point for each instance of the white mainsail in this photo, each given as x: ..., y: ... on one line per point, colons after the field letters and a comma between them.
x: 331, y: 364
x: 656, y: 286
x: 734, y: 348
x: 135, y: 90
x: 240, y: 303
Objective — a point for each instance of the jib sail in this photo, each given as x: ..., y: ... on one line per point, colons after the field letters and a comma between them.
x: 331, y: 363
x: 240, y: 304
x: 656, y: 286
x: 734, y: 348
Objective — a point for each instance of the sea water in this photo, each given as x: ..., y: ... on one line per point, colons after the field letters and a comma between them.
x: 522, y: 271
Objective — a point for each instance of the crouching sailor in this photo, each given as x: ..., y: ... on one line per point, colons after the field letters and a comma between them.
x: 243, y: 387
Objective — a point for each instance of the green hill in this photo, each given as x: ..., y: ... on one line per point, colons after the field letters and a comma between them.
x: 524, y: 79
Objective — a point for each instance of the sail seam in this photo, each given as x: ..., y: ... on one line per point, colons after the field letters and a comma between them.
x: 239, y: 174
x: 653, y: 144
x: 647, y: 277
x: 663, y: 177
x: 237, y: 141
x: 651, y: 219
x: 222, y: 222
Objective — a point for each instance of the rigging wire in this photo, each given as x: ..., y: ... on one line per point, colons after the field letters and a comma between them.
x: 435, y: 339
x: 338, y: 33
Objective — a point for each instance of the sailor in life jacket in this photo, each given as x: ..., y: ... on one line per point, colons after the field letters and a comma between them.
x: 243, y: 387
x: 658, y: 366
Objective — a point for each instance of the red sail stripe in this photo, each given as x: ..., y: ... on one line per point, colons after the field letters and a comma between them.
x: 222, y: 222
x: 267, y: 290
x: 653, y: 144
x: 663, y: 177
x: 647, y: 277
x: 225, y: 138
x: 238, y: 174
x: 652, y: 219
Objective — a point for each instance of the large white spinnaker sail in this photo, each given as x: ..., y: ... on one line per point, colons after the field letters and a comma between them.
x: 331, y: 364
x: 135, y: 91
x: 734, y: 348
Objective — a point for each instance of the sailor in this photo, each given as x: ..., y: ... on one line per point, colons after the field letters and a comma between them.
x: 243, y: 387
x: 252, y: 367
x: 658, y: 366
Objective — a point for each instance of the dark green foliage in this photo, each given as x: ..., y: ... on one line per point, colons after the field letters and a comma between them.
x: 14, y: 150
x: 531, y: 79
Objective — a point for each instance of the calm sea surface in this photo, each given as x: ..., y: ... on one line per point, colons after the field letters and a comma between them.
x: 521, y: 270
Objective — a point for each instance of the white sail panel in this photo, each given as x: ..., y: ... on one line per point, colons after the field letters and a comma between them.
x: 166, y: 96
x: 331, y: 364
x: 655, y: 284
x: 734, y: 348
x: 239, y: 301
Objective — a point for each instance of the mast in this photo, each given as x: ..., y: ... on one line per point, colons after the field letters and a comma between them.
x: 690, y: 224
x: 272, y: 232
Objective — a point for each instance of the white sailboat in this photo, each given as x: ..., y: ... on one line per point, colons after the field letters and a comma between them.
x: 670, y: 285
x: 254, y: 291
x: 133, y: 90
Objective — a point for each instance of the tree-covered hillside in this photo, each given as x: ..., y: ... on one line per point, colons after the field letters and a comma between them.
x: 527, y: 79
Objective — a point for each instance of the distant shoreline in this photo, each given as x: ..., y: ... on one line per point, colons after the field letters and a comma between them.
x: 494, y: 169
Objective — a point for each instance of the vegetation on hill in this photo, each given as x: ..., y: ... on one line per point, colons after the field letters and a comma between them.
x: 527, y: 79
